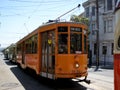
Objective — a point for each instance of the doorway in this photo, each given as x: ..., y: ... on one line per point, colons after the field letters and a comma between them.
x: 48, y: 51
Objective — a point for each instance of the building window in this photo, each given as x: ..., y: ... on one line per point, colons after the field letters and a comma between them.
x: 104, y: 50
x: 110, y: 26
x: 112, y: 48
x: 87, y: 12
x: 109, y: 4
x: 115, y: 1
x: 93, y: 28
x: 95, y: 48
x: 104, y: 26
x: 93, y: 11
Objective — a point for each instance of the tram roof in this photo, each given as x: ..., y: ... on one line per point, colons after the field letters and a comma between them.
x: 58, y: 22
x: 46, y: 24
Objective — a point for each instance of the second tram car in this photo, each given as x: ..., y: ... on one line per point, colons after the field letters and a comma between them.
x: 117, y: 48
x: 55, y: 50
x: 10, y: 53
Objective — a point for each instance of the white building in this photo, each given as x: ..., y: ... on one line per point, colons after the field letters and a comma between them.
x: 106, y: 29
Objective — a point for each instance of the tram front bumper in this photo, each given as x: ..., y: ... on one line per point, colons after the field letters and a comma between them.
x: 72, y: 75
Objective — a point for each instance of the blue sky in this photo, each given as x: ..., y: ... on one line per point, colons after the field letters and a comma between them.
x: 20, y: 17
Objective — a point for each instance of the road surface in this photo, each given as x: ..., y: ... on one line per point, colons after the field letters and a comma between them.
x: 13, y: 78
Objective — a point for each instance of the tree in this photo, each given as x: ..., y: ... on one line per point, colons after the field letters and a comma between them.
x: 83, y: 20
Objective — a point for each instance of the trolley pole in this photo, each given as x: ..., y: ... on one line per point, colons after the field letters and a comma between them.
x: 97, y: 35
x: 58, y: 18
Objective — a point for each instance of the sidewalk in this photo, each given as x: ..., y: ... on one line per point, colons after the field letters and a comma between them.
x: 101, y: 79
x: 104, y: 67
x: 8, y: 81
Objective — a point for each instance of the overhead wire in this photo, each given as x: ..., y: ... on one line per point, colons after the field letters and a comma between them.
x: 26, y: 1
x: 37, y: 9
x: 48, y: 9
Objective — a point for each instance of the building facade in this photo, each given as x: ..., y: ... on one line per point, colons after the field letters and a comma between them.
x: 106, y: 29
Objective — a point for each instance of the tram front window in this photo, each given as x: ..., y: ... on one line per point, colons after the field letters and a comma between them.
x: 76, y: 40
x: 62, y: 44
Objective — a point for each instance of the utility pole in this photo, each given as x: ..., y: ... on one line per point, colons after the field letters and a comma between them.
x: 97, y: 35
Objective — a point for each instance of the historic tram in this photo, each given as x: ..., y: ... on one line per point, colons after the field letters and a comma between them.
x: 10, y: 53
x: 55, y: 50
x: 117, y: 48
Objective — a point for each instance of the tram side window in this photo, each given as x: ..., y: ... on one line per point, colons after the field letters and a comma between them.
x: 27, y: 49
x: 34, y: 44
x: 19, y: 49
x: 62, y: 43
x: 28, y: 46
x: 31, y: 45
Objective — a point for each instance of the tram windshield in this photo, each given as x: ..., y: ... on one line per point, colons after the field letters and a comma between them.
x: 63, y: 40
x: 76, y: 40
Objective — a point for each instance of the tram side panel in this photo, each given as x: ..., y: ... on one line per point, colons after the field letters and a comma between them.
x: 117, y: 51
x: 71, y: 66
x: 27, y: 53
x: 117, y: 71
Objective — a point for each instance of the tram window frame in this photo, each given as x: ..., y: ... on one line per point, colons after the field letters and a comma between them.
x: 34, y: 44
x: 62, y: 44
x: 76, y: 48
x: 75, y: 29
x: 27, y: 47
x: 19, y: 49
x: 31, y: 45
x: 63, y: 29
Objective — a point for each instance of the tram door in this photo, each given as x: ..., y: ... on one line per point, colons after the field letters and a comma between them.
x: 48, y: 52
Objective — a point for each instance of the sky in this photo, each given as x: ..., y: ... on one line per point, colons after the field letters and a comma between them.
x: 20, y: 17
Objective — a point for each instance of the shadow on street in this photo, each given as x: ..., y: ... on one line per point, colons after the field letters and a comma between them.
x: 32, y: 82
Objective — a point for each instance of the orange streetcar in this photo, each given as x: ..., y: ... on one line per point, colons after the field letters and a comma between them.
x: 117, y: 48
x: 55, y: 50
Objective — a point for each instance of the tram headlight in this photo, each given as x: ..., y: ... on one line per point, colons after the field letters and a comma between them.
x: 76, y: 65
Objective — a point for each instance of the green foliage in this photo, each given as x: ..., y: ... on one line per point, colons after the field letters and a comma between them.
x: 83, y: 20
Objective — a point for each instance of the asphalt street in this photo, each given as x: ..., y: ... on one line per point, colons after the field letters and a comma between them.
x: 14, y: 78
